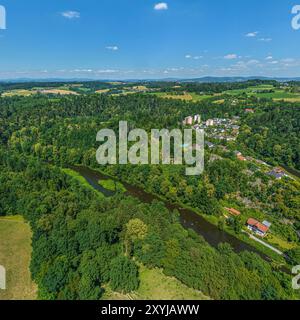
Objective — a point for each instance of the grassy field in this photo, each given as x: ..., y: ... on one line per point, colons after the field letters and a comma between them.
x: 278, y: 94
x: 12, y: 93
x: 75, y: 175
x: 112, y: 185
x: 25, y: 93
x: 58, y: 91
x: 184, y: 97
x: 102, y: 91
x: 15, y: 252
x: 281, y: 243
x: 219, y: 101
x: 157, y: 286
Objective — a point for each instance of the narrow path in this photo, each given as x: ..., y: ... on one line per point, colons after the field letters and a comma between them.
x: 264, y: 243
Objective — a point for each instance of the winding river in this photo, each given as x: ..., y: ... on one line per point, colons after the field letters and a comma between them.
x: 188, y: 218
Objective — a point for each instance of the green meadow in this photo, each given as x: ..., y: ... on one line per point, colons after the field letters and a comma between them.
x: 278, y: 94
x: 15, y: 253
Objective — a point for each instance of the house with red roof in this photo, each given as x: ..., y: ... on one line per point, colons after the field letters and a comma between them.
x: 257, y: 227
x: 241, y: 158
x: 233, y: 211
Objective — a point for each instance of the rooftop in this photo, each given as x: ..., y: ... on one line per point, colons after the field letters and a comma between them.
x: 258, y: 225
x: 233, y: 211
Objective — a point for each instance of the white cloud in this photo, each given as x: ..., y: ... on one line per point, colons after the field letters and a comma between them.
x: 269, y: 58
x: 161, y: 6
x: 189, y: 56
x: 252, y: 34
x: 71, y: 14
x: 107, y: 71
x: 265, y: 39
x: 288, y: 60
x: 82, y: 70
x: 231, y: 56
x: 112, y: 48
x: 226, y: 69
x: 90, y: 71
x: 252, y: 62
x: 173, y: 69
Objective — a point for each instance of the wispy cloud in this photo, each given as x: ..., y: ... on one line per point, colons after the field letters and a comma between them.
x: 288, y: 60
x: 112, y: 48
x: 269, y: 58
x: 161, y: 6
x: 189, y: 56
x: 252, y: 62
x: 252, y: 34
x: 231, y: 56
x: 71, y: 14
x: 265, y: 39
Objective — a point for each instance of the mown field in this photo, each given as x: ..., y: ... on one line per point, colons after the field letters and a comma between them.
x: 189, y: 96
x: 22, y: 92
x: 26, y: 93
x: 157, y: 286
x: 15, y: 253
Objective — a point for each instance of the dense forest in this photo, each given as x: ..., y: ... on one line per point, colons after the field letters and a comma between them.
x: 83, y: 241
x: 274, y: 133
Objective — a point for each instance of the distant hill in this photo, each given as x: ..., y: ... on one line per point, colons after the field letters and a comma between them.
x: 234, y: 79
x: 207, y: 79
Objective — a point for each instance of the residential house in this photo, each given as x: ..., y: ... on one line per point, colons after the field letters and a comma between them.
x: 233, y: 211
x: 235, y: 127
x: 241, y: 158
x: 257, y: 227
x: 209, y: 122
x: 188, y: 121
x: 209, y: 144
x: 197, y: 119
x: 277, y: 173
x: 230, y: 138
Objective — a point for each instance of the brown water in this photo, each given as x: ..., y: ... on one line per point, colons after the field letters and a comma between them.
x: 188, y: 218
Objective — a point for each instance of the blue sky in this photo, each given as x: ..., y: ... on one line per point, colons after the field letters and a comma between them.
x: 126, y: 39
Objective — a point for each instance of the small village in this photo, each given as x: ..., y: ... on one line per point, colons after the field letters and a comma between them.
x: 227, y: 130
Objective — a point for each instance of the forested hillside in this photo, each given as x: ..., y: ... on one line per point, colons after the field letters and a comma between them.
x: 80, y: 239
x: 83, y: 242
x: 274, y: 133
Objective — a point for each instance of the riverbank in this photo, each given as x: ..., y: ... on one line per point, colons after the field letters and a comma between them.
x: 76, y: 176
x: 204, y: 225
